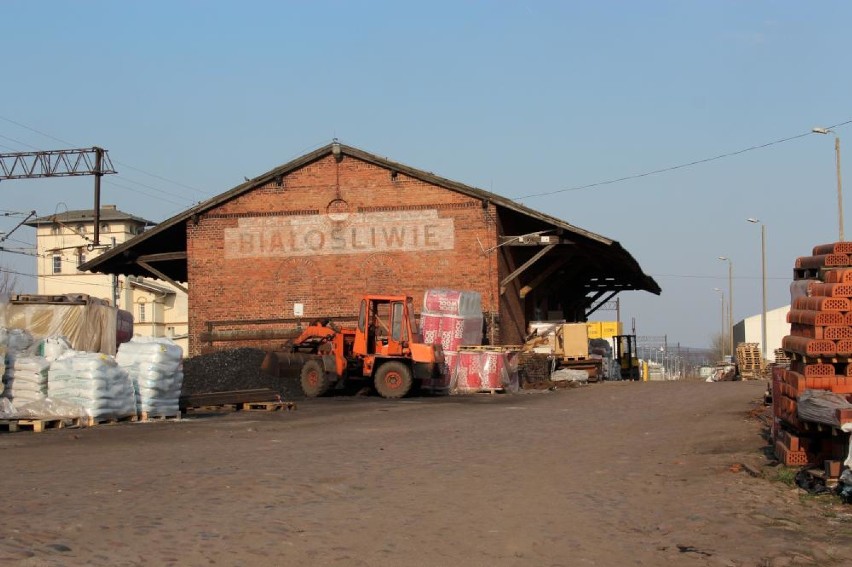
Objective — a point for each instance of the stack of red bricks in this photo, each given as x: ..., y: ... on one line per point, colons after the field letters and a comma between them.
x: 820, y: 350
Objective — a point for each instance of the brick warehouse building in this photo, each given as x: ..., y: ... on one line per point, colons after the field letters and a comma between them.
x: 320, y: 231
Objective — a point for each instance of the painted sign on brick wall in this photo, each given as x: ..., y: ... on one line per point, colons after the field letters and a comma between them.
x: 359, y: 233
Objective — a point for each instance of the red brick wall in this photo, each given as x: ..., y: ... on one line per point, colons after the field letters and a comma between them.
x: 266, y: 287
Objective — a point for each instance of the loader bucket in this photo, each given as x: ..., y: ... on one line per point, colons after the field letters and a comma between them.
x: 270, y: 364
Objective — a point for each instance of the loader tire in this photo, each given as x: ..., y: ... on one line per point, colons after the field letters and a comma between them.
x: 393, y: 380
x: 315, y: 382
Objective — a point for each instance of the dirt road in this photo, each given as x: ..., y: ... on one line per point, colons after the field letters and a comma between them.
x: 611, y: 474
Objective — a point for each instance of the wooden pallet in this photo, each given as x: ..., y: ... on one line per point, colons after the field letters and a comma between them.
x: 38, y: 425
x: 268, y: 406
x: 492, y: 348
x: 489, y: 391
x: 145, y: 416
x: 806, y: 273
x: 91, y: 421
x: 577, y: 359
x: 212, y: 407
x: 811, y: 359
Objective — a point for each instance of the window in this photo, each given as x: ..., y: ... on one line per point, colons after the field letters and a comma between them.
x: 362, y: 316
x: 141, y: 312
x: 57, y: 264
x: 55, y: 228
x: 81, y: 229
x: 396, y: 322
x: 81, y: 259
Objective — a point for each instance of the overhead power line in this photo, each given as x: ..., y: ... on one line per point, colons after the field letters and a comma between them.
x: 676, y: 167
x: 160, y: 177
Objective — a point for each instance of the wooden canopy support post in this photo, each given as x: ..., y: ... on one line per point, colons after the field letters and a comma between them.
x: 524, y: 266
x: 161, y: 275
x: 602, y: 302
x: 163, y: 257
x: 549, y: 271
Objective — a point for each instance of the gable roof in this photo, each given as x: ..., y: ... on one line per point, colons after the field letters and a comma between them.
x: 168, y: 238
x: 107, y: 213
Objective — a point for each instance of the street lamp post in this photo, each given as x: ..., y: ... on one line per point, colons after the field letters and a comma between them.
x: 763, y: 280
x: 722, y: 336
x: 730, y: 301
x: 839, y: 180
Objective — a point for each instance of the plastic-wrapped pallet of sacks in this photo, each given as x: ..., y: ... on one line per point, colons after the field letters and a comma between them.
x: 155, y: 368
x: 53, y: 347
x: 17, y: 341
x: 94, y: 381
x: 26, y: 379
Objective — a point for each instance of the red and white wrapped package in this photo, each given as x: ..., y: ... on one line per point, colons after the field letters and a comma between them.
x: 452, y: 302
x: 430, y: 328
x: 450, y: 359
x: 477, y: 371
x: 467, y: 376
x: 457, y: 331
x: 499, y: 370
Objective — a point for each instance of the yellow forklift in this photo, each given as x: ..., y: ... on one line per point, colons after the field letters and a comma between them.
x: 625, y: 355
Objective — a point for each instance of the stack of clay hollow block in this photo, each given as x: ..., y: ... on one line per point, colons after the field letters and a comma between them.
x: 820, y: 351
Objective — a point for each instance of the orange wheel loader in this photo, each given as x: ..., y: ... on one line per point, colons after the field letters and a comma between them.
x: 384, y: 348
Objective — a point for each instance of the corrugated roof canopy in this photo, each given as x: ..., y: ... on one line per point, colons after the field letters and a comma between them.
x: 161, y: 251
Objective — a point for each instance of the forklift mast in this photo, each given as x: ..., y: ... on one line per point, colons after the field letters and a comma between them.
x: 625, y: 354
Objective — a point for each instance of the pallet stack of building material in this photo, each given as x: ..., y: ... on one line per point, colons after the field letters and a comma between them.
x: 819, y: 350
x: 485, y: 369
x: 781, y: 358
x: 750, y: 361
x: 451, y: 318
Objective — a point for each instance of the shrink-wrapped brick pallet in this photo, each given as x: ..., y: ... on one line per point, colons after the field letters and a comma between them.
x: 819, y: 350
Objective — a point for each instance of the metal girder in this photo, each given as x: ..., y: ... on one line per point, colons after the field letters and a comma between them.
x: 60, y: 163
x: 55, y: 163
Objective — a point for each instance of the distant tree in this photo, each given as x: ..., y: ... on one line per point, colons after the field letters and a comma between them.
x: 8, y: 282
x: 719, y: 346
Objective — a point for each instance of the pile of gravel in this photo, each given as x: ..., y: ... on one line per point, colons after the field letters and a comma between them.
x: 236, y: 369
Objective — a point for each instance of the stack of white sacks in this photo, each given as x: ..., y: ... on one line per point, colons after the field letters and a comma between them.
x: 48, y: 377
x: 155, y: 369
x: 24, y: 376
x: 94, y: 382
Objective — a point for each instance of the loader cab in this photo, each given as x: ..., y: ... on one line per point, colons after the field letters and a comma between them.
x: 384, y: 326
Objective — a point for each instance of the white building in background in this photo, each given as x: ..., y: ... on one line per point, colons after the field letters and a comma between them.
x: 66, y: 240
x: 750, y: 330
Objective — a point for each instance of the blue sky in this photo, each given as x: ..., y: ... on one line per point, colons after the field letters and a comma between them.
x: 517, y: 98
